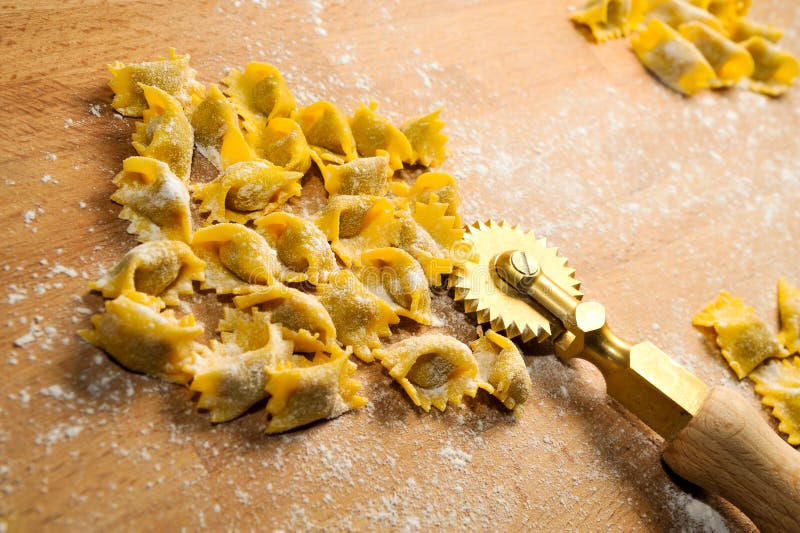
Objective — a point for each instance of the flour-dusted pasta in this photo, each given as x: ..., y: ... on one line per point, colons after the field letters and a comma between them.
x: 360, y: 317
x: 398, y: 278
x: 775, y: 68
x: 345, y: 215
x: 356, y: 224
x: 165, y: 134
x: 303, y: 394
x: 172, y: 75
x: 730, y: 61
x: 365, y: 175
x: 217, y: 134
x: 141, y: 337
x: 424, y: 132
x: 778, y: 382
x: 433, y: 369
x: 301, y: 247
x: 501, y: 369
x: 153, y: 199
x: 442, y: 185
x: 231, y: 375
x: 675, y: 13
x: 238, y: 260
x: 610, y: 19
x: 246, y: 191
x: 283, y: 144
x: 728, y: 10
x: 672, y: 59
x: 163, y: 268
x: 743, y: 28
x: 744, y: 338
x: 789, y: 307
x: 304, y: 319
x: 327, y: 131
x: 374, y: 133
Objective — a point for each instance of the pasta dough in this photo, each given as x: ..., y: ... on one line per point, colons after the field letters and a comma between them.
x: 789, y: 307
x: 501, y: 369
x: 160, y: 268
x: 730, y: 61
x: 744, y: 339
x: 674, y: 13
x: 365, y: 175
x: 247, y: 190
x: 142, y: 338
x: 374, y: 133
x: 357, y: 224
x: 217, y: 134
x: 433, y: 369
x: 424, y: 133
x: 610, y: 19
x: 328, y: 131
x: 153, y: 199
x: 775, y: 69
x: 778, y: 382
x: 398, y: 278
x: 743, y: 28
x: 166, y: 133
x: 283, y: 144
x: 172, y: 75
x: 431, y: 187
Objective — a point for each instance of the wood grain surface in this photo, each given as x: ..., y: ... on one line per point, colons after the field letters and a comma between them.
x: 659, y: 202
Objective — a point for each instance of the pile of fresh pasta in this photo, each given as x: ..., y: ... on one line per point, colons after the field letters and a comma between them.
x: 299, y: 293
x: 751, y: 350
x: 691, y: 45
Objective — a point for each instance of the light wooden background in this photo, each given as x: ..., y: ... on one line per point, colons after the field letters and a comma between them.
x: 658, y: 200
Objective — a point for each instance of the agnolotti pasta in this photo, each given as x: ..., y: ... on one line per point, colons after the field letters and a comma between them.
x: 744, y: 339
x: 433, y: 369
x: 778, y: 382
x: 730, y: 61
x: 166, y: 133
x: 245, y: 191
x: 153, y: 199
x: 424, y: 133
x: 141, y: 337
x: 283, y: 144
x: 374, y: 133
x: 728, y: 10
x: 301, y: 246
x: 357, y: 224
x: 163, y: 268
x: 675, y: 13
x: 672, y: 59
x: 789, y: 308
x: 365, y: 175
x: 775, y: 68
x: 231, y: 375
x: 217, y: 133
x: 304, y: 319
x: 610, y: 19
x: 360, y: 317
x: 172, y: 75
x: 501, y: 369
x: 743, y: 28
x: 259, y: 94
x: 397, y: 278
x: 238, y: 260
x: 431, y: 187
x: 320, y: 390
x: 327, y: 131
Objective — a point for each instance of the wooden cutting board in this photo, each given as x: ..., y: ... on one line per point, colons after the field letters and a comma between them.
x: 660, y: 201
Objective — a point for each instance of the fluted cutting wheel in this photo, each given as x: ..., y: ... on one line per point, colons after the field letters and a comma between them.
x: 474, y: 282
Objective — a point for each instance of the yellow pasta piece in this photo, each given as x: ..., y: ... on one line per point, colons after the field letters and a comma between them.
x: 398, y: 278
x: 139, y: 336
x: 789, y: 307
x: 283, y: 144
x: 427, y: 140
x: 238, y: 260
x: 365, y: 229
x: 360, y: 317
x: 259, y: 94
x: 743, y: 28
x: 730, y: 61
x: 159, y: 268
x: 304, y: 319
x: 327, y: 131
x: 374, y: 133
x: 501, y: 369
x: 308, y: 394
x: 172, y: 75
x: 728, y: 10
x: 672, y: 59
x: 610, y: 19
x: 245, y: 191
x: 778, y: 382
x: 744, y: 339
x: 776, y: 69
x: 154, y: 200
x: 433, y: 369
x: 674, y: 13
x: 301, y: 247
x: 217, y: 134
x: 343, y: 216
x: 166, y: 133
x: 442, y: 185
x: 231, y: 376
x: 365, y: 175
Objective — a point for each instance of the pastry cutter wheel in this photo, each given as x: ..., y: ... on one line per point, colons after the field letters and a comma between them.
x: 714, y: 438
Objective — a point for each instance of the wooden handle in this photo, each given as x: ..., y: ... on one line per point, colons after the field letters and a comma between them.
x: 728, y: 449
